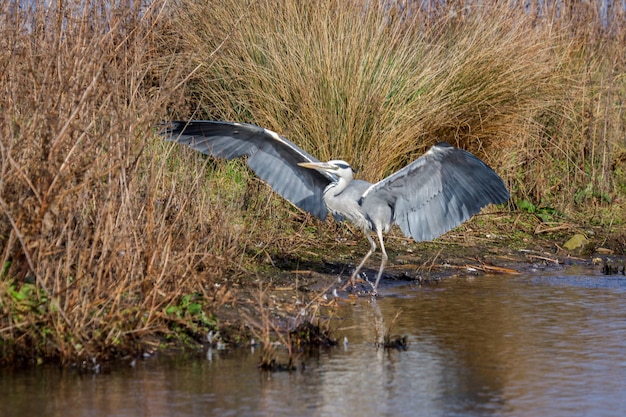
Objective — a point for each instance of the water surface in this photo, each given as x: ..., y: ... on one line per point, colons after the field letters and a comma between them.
x: 532, y: 345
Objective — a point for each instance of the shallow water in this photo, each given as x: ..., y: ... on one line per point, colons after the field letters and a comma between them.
x: 532, y: 345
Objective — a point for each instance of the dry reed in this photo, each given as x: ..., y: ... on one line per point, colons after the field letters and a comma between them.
x: 103, y: 235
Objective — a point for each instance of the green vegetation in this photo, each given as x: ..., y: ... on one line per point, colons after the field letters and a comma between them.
x: 112, y: 240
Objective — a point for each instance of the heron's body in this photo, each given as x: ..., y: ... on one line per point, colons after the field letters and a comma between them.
x: 433, y: 194
x: 342, y: 199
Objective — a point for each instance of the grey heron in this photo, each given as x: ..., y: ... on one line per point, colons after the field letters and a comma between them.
x: 433, y: 194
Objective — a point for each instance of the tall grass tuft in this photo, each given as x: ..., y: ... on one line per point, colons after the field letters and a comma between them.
x: 369, y: 82
x: 376, y: 83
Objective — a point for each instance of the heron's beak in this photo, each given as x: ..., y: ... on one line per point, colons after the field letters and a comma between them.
x: 323, y: 166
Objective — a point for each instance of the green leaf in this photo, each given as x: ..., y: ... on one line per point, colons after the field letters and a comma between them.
x: 172, y: 310
x: 195, y: 308
x: 526, y: 206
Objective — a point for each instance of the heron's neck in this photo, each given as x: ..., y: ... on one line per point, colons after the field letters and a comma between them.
x: 337, y: 187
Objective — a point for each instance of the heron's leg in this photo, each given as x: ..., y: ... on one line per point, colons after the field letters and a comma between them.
x: 358, y: 268
x: 383, y: 261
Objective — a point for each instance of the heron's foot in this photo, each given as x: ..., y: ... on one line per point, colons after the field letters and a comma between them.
x: 349, y: 283
x: 363, y: 288
x: 373, y: 293
x: 352, y: 282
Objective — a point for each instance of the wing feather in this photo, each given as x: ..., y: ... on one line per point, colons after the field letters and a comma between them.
x: 273, y: 158
x: 439, y: 191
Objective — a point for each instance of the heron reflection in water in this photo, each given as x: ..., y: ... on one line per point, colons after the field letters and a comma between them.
x: 433, y: 194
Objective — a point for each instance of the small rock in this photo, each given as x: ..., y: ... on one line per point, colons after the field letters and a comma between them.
x: 576, y: 243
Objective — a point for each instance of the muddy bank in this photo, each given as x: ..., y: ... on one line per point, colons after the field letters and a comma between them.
x: 293, y: 285
x: 266, y: 304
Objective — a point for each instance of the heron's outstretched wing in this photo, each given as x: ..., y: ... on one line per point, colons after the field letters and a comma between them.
x: 439, y: 191
x: 273, y: 158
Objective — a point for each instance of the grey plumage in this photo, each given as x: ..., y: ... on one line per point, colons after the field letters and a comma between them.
x: 273, y: 158
x: 433, y: 194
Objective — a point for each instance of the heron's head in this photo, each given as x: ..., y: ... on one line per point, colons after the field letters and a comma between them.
x: 338, y: 168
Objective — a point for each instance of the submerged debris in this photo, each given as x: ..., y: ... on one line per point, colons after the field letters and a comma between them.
x: 309, y: 334
x: 304, y: 335
x: 272, y: 365
x: 396, y: 342
x: 609, y: 268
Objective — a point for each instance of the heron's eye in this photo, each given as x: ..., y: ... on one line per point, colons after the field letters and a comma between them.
x: 343, y: 166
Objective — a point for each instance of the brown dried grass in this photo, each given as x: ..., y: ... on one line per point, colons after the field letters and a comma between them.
x: 102, y: 232
x: 536, y: 92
